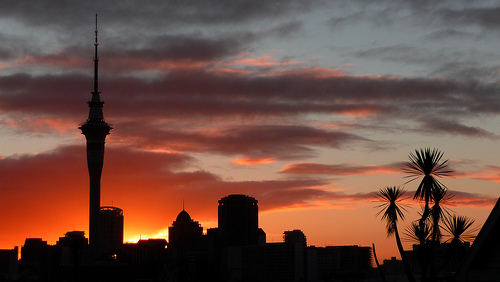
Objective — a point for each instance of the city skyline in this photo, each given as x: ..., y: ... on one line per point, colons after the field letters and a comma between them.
x: 307, y: 111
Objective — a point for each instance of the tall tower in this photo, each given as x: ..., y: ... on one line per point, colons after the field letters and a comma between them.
x: 95, y: 130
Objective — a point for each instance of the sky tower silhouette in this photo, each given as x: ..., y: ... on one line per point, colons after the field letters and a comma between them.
x: 95, y: 130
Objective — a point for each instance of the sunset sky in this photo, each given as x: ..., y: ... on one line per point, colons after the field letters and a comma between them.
x: 308, y: 106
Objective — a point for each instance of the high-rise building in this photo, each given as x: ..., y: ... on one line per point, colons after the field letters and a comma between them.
x: 239, y: 220
x: 95, y: 130
x: 187, y: 249
x: 111, y: 221
x: 185, y: 233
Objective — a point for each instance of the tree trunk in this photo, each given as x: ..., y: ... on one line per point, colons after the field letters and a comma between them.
x: 378, y: 265
x: 406, y: 263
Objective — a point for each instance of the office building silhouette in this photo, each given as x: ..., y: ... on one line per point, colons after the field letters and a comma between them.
x: 239, y: 220
x: 111, y: 221
x: 187, y: 249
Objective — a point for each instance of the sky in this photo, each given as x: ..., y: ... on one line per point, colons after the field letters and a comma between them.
x: 308, y: 106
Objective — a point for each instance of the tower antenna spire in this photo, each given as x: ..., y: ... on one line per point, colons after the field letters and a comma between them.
x: 96, y: 66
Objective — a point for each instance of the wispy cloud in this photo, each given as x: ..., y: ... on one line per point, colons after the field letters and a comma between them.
x: 340, y: 169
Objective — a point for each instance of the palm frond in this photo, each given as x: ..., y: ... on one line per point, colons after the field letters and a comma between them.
x: 391, y: 209
x: 459, y: 228
x: 417, y: 234
x: 427, y: 163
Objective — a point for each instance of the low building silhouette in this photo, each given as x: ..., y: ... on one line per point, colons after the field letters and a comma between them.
x: 9, y: 264
x: 342, y: 263
x: 36, y: 260
x: 287, y: 261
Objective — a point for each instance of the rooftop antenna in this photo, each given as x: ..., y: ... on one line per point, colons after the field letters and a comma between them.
x: 182, y: 204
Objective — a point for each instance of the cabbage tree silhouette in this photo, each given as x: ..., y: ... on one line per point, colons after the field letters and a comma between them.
x: 391, y: 211
x: 427, y: 163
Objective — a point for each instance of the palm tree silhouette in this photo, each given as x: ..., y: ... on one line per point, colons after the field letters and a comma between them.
x: 427, y: 163
x: 418, y: 234
x: 438, y: 213
x: 459, y: 230
x: 391, y: 211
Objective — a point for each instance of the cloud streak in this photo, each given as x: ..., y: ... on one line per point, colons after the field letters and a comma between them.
x: 340, y: 169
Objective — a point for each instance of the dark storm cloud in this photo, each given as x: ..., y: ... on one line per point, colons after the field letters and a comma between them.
x: 70, y: 14
x: 457, y: 13
x: 303, y: 85
x: 452, y: 33
x: 446, y: 62
x: 284, y: 30
x: 198, y: 93
x: 276, y: 141
x: 469, y: 69
x: 138, y: 52
x: 196, y: 46
x: 407, y: 54
x: 6, y: 50
x: 25, y: 93
x: 180, y: 47
x: 424, y: 13
x: 13, y: 46
x: 344, y: 20
x: 301, y: 93
x: 454, y: 128
x: 486, y: 17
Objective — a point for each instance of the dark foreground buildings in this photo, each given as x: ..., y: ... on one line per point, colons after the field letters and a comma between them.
x: 190, y: 255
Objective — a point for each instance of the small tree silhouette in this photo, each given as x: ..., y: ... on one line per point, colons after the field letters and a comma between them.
x: 391, y: 211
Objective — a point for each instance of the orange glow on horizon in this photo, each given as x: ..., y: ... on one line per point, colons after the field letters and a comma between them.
x: 132, y: 237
